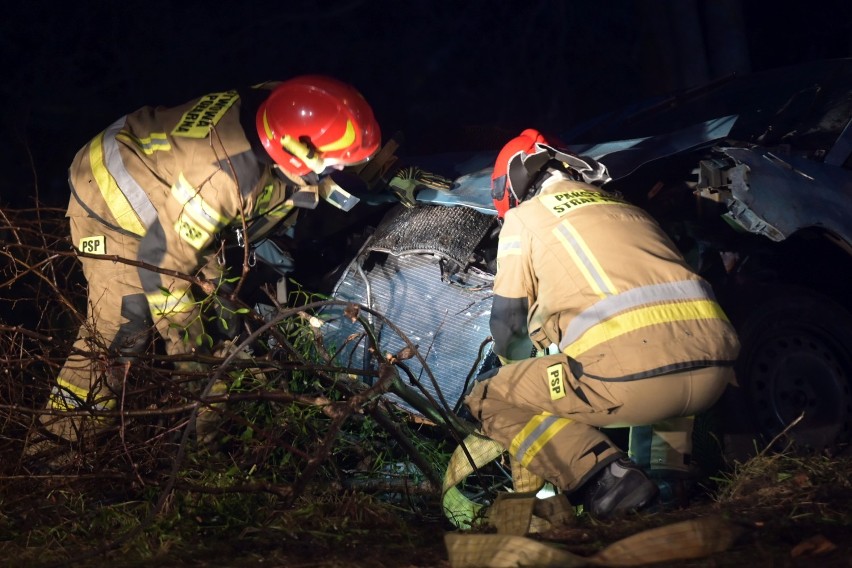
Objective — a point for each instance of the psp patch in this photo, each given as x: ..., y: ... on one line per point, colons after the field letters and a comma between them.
x: 192, y: 232
x: 556, y: 381
x: 93, y: 245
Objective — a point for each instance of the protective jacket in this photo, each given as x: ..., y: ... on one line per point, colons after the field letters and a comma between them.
x: 160, y: 187
x: 175, y: 178
x: 581, y: 268
x: 642, y: 339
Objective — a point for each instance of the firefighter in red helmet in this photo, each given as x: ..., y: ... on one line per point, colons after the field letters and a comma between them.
x: 626, y: 332
x: 160, y: 187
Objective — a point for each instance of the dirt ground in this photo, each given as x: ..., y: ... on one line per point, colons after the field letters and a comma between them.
x: 791, y: 524
x: 792, y: 515
x: 771, y: 538
x: 788, y: 511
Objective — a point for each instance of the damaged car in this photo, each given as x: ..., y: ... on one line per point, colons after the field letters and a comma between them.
x: 751, y: 178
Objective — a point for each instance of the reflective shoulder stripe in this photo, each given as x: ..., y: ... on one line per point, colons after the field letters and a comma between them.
x: 632, y: 299
x: 584, y: 259
x: 156, y: 142
x: 128, y: 186
x: 119, y: 206
x: 125, y: 198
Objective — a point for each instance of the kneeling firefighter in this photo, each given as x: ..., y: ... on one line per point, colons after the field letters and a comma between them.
x: 639, y: 337
x: 162, y: 187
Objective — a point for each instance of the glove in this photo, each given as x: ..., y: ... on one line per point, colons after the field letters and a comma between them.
x: 407, y: 181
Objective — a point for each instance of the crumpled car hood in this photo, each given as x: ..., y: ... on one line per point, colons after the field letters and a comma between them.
x: 776, y: 196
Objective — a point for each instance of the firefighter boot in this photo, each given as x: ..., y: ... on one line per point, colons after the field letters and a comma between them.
x: 620, y: 487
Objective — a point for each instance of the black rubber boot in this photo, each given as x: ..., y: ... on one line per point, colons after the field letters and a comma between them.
x: 620, y: 487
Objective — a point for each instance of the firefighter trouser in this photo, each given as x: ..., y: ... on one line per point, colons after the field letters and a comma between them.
x: 117, y: 328
x: 549, y: 421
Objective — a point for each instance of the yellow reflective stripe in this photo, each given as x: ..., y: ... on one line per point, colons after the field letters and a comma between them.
x: 176, y: 302
x: 343, y: 142
x: 116, y: 201
x: 156, y: 142
x: 584, y: 259
x: 281, y: 210
x: 127, y: 184
x: 267, y: 130
x: 66, y: 396
x: 508, y: 246
x: 638, y: 297
x: 262, y: 204
x: 79, y: 392
x: 204, y: 214
x: 538, y: 432
x: 261, y: 207
x: 645, y: 317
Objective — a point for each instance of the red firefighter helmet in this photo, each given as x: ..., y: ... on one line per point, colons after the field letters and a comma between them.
x: 503, y: 193
x: 311, y: 122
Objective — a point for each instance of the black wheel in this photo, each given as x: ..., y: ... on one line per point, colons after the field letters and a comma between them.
x: 796, y: 360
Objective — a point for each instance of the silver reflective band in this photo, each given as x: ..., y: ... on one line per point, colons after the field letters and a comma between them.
x: 641, y: 296
x: 534, y: 436
x: 134, y: 193
x: 587, y: 262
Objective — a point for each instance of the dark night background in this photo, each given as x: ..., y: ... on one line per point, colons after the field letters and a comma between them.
x: 451, y: 75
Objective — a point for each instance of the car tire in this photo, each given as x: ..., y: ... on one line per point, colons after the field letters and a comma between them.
x: 796, y: 360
